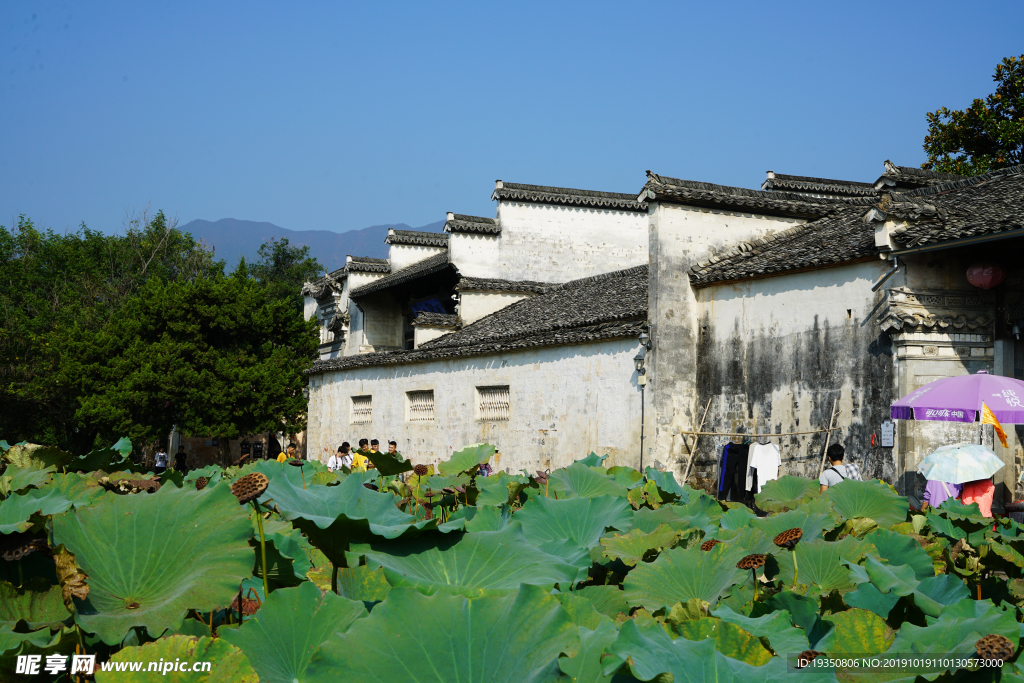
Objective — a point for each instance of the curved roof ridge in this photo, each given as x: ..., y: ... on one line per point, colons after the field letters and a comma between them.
x: 548, y: 194
x: 959, y: 184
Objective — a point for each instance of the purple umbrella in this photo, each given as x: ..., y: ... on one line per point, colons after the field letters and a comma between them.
x: 959, y: 399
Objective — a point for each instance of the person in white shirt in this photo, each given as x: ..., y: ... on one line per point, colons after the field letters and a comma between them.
x: 160, y: 460
x: 838, y: 472
x: 340, y: 459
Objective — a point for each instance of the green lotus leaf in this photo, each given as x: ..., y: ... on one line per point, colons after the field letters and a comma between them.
x: 592, y: 460
x: 683, y: 574
x: 956, y: 630
x: 803, y: 612
x: 585, y: 666
x: 213, y: 474
x: 812, y: 523
x: 608, y: 600
x: 42, y: 642
x: 15, y: 479
x: 33, y: 456
x: 565, y: 527
x: 786, y: 493
x: 955, y: 521
x: 747, y: 538
x: 500, y: 489
x: 17, y: 510
x: 287, y: 553
x: 871, y: 499
x: 389, y: 464
x: 581, y: 611
x: 467, y: 459
x: 579, y: 481
x: 332, y: 517
x: 931, y: 595
x: 625, y: 476
x: 700, y: 503
x: 736, y: 518
x: 151, y: 558
x: 486, y: 518
x: 653, y: 653
x: 821, y: 564
x: 226, y: 662
x: 83, y: 491
x: 514, y: 638
x: 36, y: 602
x: 435, y: 483
x: 280, y: 639
x: 868, y: 597
x: 631, y: 548
x: 896, y: 549
x: 730, y: 639
x: 647, y: 520
x: 776, y: 628
x: 476, y: 564
x: 363, y: 583
x: 668, y: 488
x: 103, y: 458
x: 859, y: 632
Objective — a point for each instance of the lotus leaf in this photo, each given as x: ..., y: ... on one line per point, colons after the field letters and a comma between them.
x: 956, y: 630
x: 81, y: 490
x: 334, y: 516
x: 592, y: 460
x: 647, y: 520
x: 279, y: 641
x: 931, y: 595
x: 868, y: 597
x: 631, y: 548
x: 700, y: 503
x: 488, y: 518
x: 680, y: 575
x: 859, y: 632
x: 228, y: 664
x: 287, y: 557
x: 103, y: 458
x: 16, y: 511
x: 668, y: 487
x: 776, y: 628
x: 33, y: 456
x: 896, y: 549
x: 37, y: 603
x: 625, y: 476
x: 42, y: 642
x: 500, y: 489
x: 736, y: 518
x: 579, y: 481
x: 15, y: 479
x: 804, y: 613
x: 150, y: 558
x: 821, y: 564
x: 476, y: 564
x: 581, y: 611
x: 786, y: 493
x: 586, y: 666
x: 871, y: 499
x: 608, y: 600
x: 559, y: 526
x: 363, y: 583
x: 731, y: 640
x: 469, y: 458
x: 388, y: 464
x: 213, y: 474
x: 811, y: 523
x: 514, y: 638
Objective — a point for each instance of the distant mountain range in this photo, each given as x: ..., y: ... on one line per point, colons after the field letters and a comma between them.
x: 232, y: 238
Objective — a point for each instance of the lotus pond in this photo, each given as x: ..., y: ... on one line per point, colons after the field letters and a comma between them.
x: 587, y: 573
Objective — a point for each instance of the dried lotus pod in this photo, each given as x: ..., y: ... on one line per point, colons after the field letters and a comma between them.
x: 708, y: 545
x: 249, y: 606
x: 372, y: 487
x: 541, y: 477
x: 13, y: 547
x: 448, y: 489
x: 250, y: 487
x: 201, y: 483
x: 421, y: 470
x: 754, y: 561
x: 295, y: 462
x: 789, y: 538
x: 994, y: 647
x: 150, y: 485
x: 806, y: 657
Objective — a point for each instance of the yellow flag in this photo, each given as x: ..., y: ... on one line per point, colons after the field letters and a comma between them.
x: 989, y: 418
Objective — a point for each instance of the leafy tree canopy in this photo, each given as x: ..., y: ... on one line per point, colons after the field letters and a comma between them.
x: 987, y: 135
x: 285, y: 268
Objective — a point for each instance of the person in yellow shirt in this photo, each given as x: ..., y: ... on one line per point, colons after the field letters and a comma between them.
x: 359, y: 459
x: 288, y: 454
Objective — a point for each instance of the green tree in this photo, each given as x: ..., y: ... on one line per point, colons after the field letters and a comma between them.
x: 987, y: 135
x: 285, y: 268
x: 220, y: 356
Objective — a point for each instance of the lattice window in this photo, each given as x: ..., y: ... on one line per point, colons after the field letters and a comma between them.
x: 421, y: 405
x: 362, y: 410
x: 492, y: 403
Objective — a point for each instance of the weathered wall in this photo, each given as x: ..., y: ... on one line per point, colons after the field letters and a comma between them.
x: 551, y: 243
x: 776, y: 353
x: 475, y: 255
x: 679, y: 236
x: 404, y: 255
x: 475, y: 305
x: 424, y: 333
x: 565, y: 402
x: 381, y: 321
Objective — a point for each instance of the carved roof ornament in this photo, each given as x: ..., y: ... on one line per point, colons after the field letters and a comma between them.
x: 938, y: 310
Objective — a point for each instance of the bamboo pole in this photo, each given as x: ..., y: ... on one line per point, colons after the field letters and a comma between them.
x: 696, y: 437
x: 828, y: 436
x: 815, y: 431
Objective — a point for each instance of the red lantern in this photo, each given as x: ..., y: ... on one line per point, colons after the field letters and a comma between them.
x: 986, y: 275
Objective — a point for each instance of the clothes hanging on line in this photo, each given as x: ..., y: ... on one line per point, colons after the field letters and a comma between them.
x: 763, y: 465
x: 734, y: 471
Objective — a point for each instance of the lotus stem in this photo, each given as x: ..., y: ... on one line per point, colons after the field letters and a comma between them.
x: 795, y: 568
x: 753, y: 573
x: 21, y: 579
x: 303, y: 477
x: 241, y: 618
x: 546, y: 483
x: 334, y: 578
x: 263, y: 554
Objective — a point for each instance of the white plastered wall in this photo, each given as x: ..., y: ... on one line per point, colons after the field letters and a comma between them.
x: 475, y: 255
x: 477, y: 304
x: 424, y: 333
x: 404, y: 255
x: 565, y: 402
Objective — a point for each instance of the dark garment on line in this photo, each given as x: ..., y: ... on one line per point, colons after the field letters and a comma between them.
x: 734, y: 475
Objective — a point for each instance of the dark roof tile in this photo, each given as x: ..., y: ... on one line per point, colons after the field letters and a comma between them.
x: 436, y: 319
x: 417, y: 238
x: 427, y: 266
x: 479, y: 284
x: 458, y: 222
x: 808, y: 185
x: 543, y: 194
x: 365, y: 264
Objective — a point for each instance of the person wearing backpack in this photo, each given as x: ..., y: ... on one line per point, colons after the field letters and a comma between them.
x: 838, y: 472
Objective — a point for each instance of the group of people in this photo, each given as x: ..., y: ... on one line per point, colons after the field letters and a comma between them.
x: 360, y: 459
x: 160, y: 461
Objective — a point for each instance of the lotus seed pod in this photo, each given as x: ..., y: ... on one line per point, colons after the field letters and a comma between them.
x: 751, y: 561
x: 789, y: 538
x: 708, y: 545
x: 994, y: 647
x: 250, y: 487
x: 421, y: 470
x: 295, y: 462
x: 249, y: 606
x: 806, y: 657
x: 13, y: 547
x: 201, y: 483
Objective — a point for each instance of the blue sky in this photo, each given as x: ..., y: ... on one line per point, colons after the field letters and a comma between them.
x: 342, y: 115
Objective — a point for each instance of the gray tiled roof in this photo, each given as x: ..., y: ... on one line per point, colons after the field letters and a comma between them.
x: 458, y: 222
x: 981, y: 205
x: 908, y: 177
x: 365, y: 264
x: 543, y: 194
x: 609, y: 306
x: 480, y: 284
x: 436, y: 319
x: 809, y: 185
x: 839, y: 238
x: 694, y: 193
x: 321, y: 287
x: 417, y: 238
x: 427, y: 266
